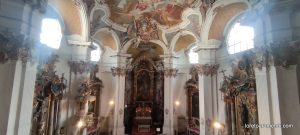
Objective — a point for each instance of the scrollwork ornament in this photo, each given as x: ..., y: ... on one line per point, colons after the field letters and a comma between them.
x: 205, y: 69
x: 118, y: 71
x: 169, y: 72
x: 82, y: 67
x: 166, y: 111
x: 15, y: 47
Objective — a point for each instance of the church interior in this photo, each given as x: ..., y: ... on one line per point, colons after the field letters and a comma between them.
x: 149, y: 67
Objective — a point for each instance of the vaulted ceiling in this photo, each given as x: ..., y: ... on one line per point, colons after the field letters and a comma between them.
x: 195, y: 16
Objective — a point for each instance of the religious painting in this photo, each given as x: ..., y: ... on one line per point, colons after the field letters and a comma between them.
x: 144, y: 86
x: 165, y: 12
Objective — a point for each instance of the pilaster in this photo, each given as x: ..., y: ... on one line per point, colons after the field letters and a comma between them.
x: 169, y: 74
x: 120, y: 73
x: 264, y: 99
x: 205, y: 74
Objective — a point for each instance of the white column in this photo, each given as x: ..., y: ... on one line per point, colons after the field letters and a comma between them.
x: 167, y: 106
x: 275, y: 112
x: 26, y: 100
x: 288, y: 93
x: 119, y: 128
x: 205, y: 104
x: 120, y: 73
x: 264, y: 103
x: 10, y: 82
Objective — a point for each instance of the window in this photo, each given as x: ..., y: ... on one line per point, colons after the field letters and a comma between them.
x: 193, y: 56
x: 96, y: 54
x: 51, y: 33
x: 240, y: 38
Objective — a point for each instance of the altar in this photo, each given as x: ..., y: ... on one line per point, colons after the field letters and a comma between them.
x: 144, y: 97
x: 143, y: 119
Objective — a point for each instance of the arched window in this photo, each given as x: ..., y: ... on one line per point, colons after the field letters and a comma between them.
x: 51, y: 33
x: 193, y: 56
x: 96, y: 53
x: 240, y: 38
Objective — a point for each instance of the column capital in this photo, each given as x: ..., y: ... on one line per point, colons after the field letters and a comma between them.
x: 118, y: 71
x: 205, y: 69
x: 82, y: 66
x: 169, y: 72
x: 15, y: 46
x: 278, y: 53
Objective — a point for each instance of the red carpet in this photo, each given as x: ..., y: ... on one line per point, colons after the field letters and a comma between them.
x: 135, y: 132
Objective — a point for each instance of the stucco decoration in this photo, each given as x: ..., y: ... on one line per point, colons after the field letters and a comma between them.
x: 206, y: 69
x: 82, y: 66
x: 15, y: 47
x: 49, y: 91
x: 240, y: 92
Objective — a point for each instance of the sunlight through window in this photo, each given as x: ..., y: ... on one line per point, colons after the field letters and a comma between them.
x: 240, y: 38
x: 193, y: 56
x: 96, y: 54
x: 51, y: 33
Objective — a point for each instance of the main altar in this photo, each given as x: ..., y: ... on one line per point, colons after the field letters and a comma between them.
x: 144, y: 96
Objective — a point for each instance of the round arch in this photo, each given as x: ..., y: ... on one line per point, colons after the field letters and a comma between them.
x: 158, y: 42
x: 178, y: 35
x: 211, y: 15
x: 113, y: 34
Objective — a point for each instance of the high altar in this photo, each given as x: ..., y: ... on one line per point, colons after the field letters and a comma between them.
x: 144, y: 99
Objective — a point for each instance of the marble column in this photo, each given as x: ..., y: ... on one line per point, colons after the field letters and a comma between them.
x: 120, y: 74
x: 10, y: 82
x: 264, y: 97
x: 206, y: 73
x: 79, y: 70
x: 285, y: 98
x: 168, y: 127
x: 26, y: 100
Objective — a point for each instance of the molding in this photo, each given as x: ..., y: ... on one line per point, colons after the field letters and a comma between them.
x: 79, y: 43
x: 216, y: 44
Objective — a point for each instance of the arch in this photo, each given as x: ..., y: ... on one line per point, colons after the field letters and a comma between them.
x: 231, y: 22
x: 99, y: 46
x: 158, y: 42
x: 177, y: 37
x: 74, y: 16
x: 103, y: 36
x: 214, y: 13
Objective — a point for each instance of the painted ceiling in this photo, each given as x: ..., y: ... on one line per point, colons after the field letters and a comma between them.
x: 165, y: 12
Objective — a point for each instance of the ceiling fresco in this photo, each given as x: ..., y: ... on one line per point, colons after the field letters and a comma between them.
x: 165, y: 12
